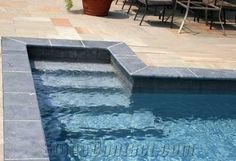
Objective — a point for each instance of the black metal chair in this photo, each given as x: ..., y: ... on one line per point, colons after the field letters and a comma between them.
x: 228, y: 6
x: 225, y: 7
x: 152, y: 3
x: 204, y: 5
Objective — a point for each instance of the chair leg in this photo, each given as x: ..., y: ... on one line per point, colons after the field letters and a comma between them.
x: 124, y: 4
x: 163, y: 13
x: 198, y: 16
x: 173, y: 14
x: 235, y: 18
x: 211, y: 14
x: 131, y: 4
x: 222, y: 25
x: 224, y: 17
x: 206, y: 17
x: 139, y: 7
x: 146, y: 9
x: 160, y: 14
x: 185, y: 17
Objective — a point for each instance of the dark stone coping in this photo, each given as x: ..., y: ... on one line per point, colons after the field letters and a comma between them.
x: 23, y: 133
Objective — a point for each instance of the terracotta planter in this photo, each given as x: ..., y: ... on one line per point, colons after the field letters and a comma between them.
x: 96, y: 7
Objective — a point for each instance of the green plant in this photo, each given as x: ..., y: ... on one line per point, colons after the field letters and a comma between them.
x: 69, y: 4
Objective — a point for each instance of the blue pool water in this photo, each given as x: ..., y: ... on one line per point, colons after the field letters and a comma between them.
x: 89, y: 115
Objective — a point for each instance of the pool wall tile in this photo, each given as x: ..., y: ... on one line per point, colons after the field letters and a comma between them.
x: 10, y: 44
x: 185, y: 73
x: 32, y: 41
x: 214, y: 74
x: 18, y: 82
x: 21, y: 113
x: 24, y: 139
x: 43, y: 159
x: 157, y: 72
x: 20, y: 100
x: 122, y: 73
x: 121, y: 50
x: 14, y: 52
x: 66, y: 43
x: 130, y: 64
x: 78, y: 54
x: 98, y: 44
x: 19, y: 106
x: 15, y: 62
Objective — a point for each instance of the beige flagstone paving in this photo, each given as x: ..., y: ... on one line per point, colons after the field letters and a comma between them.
x: 154, y: 42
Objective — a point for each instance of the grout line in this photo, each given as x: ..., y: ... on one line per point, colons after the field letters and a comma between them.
x: 124, y: 56
x: 14, y: 50
x: 139, y: 70
x: 115, y: 45
x: 50, y: 42
x: 192, y: 72
x: 12, y: 54
x: 27, y: 159
x: 82, y: 43
x: 178, y: 72
x: 29, y: 93
x: 22, y: 120
x: 16, y: 71
x: 17, y: 40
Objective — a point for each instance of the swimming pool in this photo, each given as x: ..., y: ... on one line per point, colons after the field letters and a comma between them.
x: 89, y: 114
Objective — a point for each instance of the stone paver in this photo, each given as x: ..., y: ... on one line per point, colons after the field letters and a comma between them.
x: 61, y: 22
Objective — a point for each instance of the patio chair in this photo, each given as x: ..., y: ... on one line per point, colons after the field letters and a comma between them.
x: 152, y: 3
x: 133, y: 2
x: 205, y: 5
x: 228, y: 6
x: 125, y: 2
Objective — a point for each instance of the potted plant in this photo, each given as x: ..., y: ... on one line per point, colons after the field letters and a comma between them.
x: 93, y: 7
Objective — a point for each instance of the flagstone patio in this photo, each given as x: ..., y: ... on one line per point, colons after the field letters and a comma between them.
x: 154, y: 42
